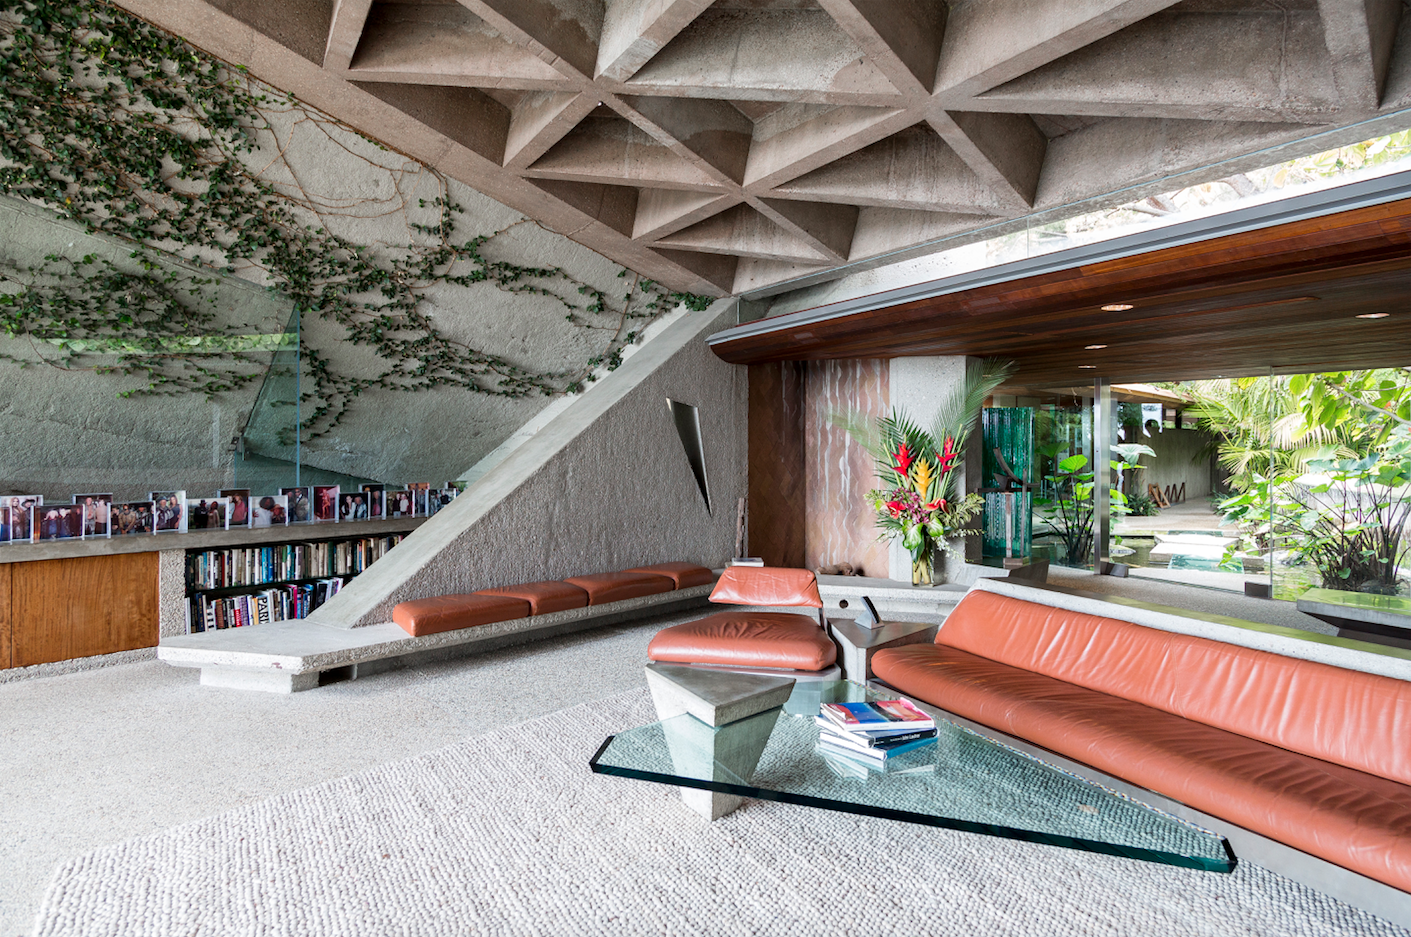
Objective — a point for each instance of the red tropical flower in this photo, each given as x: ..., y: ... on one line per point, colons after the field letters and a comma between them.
x: 895, y: 508
x: 904, y: 460
x: 947, y: 456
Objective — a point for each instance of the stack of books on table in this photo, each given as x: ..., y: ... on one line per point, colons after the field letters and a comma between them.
x: 871, y: 733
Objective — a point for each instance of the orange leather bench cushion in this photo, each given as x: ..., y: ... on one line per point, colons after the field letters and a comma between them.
x: 767, y: 585
x: 684, y: 575
x: 614, y: 587
x: 1353, y: 819
x: 747, y: 639
x: 543, y: 597
x: 452, y: 612
x: 1344, y: 716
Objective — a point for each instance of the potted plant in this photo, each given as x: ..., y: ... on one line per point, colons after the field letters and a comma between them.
x: 919, y: 500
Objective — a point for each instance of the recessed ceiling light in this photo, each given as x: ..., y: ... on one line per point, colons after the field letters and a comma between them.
x: 1094, y: 347
x: 1087, y: 366
x: 1117, y: 307
x: 1374, y: 315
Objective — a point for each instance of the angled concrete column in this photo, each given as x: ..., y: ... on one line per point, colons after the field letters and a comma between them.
x: 917, y: 386
x: 716, y: 726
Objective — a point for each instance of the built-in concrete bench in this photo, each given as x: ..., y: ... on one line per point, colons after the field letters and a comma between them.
x: 1384, y: 619
x: 289, y: 656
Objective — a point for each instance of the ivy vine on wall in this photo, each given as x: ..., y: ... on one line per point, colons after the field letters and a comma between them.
x: 136, y: 134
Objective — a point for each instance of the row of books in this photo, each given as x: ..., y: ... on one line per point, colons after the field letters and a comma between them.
x: 250, y: 566
x: 205, y: 613
x: 27, y: 519
x: 870, y: 734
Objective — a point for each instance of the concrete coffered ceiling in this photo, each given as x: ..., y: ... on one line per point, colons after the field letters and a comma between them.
x: 720, y: 147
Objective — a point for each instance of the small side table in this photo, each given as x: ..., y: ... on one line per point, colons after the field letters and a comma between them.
x: 858, y: 644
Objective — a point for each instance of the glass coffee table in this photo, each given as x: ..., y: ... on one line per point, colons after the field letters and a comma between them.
x: 962, y: 782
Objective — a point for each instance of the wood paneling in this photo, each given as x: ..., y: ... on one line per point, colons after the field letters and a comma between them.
x: 1282, y: 297
x: 841, y: 525
x: 6, y: 641
x: 61, y: 609
x: 776, y: 463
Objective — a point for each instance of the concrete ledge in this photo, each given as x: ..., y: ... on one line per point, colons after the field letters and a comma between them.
x: 896, y: 600
x: 288, y: 656
x: 1288, y: 642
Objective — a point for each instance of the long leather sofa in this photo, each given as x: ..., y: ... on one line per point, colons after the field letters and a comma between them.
x: 442, y: 613
x: 1314, y: 756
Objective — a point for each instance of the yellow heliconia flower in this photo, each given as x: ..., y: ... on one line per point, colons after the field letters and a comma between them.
x: 923, y: 476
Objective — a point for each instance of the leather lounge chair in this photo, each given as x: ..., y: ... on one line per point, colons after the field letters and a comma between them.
x: 746, y: 641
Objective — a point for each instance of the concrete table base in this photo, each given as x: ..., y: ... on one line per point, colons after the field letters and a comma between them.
x: 857, y: 644
x: 731, y: 718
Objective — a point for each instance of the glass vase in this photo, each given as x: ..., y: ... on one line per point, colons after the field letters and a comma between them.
x: 921, y: 569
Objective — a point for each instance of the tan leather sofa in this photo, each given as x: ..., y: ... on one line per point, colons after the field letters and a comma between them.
x: 1310, y: 755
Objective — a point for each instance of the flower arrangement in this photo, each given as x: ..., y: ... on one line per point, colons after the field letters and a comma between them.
x: 919, y: 500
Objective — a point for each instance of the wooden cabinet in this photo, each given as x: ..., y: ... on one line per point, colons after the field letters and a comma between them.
x: 52, y: 610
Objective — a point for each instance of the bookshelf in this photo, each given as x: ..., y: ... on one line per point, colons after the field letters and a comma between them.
x: 259, y: 583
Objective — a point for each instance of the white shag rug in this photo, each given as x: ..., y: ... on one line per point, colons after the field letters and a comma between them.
x: 510, y: 833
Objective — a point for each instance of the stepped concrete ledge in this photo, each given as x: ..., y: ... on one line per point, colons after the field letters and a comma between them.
x: 289, y: 656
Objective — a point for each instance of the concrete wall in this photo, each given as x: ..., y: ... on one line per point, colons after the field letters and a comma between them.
x: 1177, y: 460
x: 603, y: 486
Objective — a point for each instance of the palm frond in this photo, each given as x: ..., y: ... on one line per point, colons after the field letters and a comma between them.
x: 956, y: 415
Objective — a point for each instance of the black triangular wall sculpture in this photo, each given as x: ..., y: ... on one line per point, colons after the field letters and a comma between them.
x: 688, y: 427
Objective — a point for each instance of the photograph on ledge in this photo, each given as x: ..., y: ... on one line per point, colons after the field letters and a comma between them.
x: 239, y: 507
x: 270, y: 511
x: 170, y: 515
x: 22, y: 508
x: 133, y: 517
x: 325, y: 502
x: 97, y: 514
x: 207, y: 513
x: 399, y: 503
x: 58, y: 522
x: 376, y: 500
x: 301, y: 509
x: 352, y: 506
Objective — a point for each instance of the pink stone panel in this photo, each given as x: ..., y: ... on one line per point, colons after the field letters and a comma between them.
x: 838, y: 523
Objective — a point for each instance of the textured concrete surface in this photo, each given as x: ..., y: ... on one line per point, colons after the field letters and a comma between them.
x: 722, y: 147
x: 603, y: 486
x: 90, y: 759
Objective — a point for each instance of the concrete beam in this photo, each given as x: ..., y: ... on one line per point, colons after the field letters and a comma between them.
x: 797, y: 55
x: 1187, y: 64
x: 607, y: 148
x: 1005, y: 151
x: 712, y: 134
x: 913, y: 169
x: 902, y: 37
x: 745, y: 232
x: 718, y: 269
x: 563, y: 34
x: 881, y: 230
x: 753, y: 273
x: 612, y: 205
x: 541, y: 119
x: 828, y: 228
x: 443, y: 44
x: 664, y: 211
x: 831, y: 135
x: 982, y: 47
x: 635, y: 30
x: 1359, y: 36
x: 344, y: 32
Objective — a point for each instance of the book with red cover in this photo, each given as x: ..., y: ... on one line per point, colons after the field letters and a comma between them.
x: 891, y: 715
